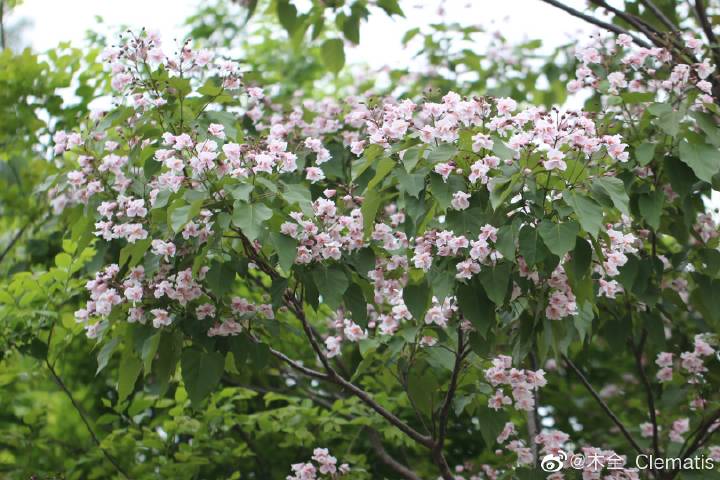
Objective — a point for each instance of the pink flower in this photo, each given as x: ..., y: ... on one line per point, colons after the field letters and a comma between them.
x: 460, y: 200
x: 161, y: 318
x: 205, y: 310
x: 256, y: 92
x: 216, y: 130
x: 555, y: 160
x: 314, y: 174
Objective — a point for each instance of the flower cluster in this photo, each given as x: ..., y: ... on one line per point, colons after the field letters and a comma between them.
x: 521, y: 382
x: 346, y: 330
x: 692, y: 363
x: 446, y: 244
x: 322, y: 466
x: 637, y: 67
x: 328, y: 234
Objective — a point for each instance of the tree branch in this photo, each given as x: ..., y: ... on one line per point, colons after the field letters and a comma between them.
x: 603, y: 405
x: 598, y: 23
x: 78, y: 408
x: 17, y: 236
x: 648, y: 391
x: 701, y: 437
x: 650, y: 5
x: 701, y: 12
x: 384, y: 456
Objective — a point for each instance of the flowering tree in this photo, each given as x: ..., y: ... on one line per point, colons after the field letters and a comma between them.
x: 451, y: 278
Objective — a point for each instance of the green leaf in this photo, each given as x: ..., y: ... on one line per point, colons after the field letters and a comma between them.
x: 179, y: 214
x: 441, y: 153
x: 240, y: 191
x: 502, y: 151
x: 149, y: 349
x: 250, y: 218
x: 411, y: 183
x: 201, y: 372
x: 581, y: 258
x: 506, y: 242
x: 331, y: 283
x: 559, y: 237
x: 669, y: 122
x: 496, y: 281
x: 615, y: 189
x: 355, y: 301
x: 332, y: 53
x: 63, y: 260
x: 130, y: 367
x: 286, y: 248
x: 704, y: 159
x: 476, y: 306
x: 651, y: 205
x: 287, y: 15
x: 491, y: 424
x: 168, y: 357
x: 531, y: 246
x: 681, y: 176
x: 106, y: 353
x: 133, y: 253
x: 417, y: 299
x: 383, y: 167
x: 589, y: 213
x: 351, y: 28
x: 644, y: 153
x: 220, y: 278
x: 369, y: 209
x: 391, y: 7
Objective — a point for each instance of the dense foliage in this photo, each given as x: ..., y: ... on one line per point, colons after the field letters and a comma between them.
x: 268, y: 264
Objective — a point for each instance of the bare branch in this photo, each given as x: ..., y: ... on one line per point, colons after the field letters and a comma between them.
x: 650, y: 5
x: 707, y: 27
x: 603, y: 405
x: 387, y: 459
x: 598, y: 23
x: 78, y: 408
x: 648, y: 391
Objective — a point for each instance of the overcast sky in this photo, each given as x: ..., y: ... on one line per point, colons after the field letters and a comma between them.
x: 52, y: 21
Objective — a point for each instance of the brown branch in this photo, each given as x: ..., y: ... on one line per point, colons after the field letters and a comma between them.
x: 387, y: 459
x: 701, y: 12
x: 648, y: 391
x: 603, y: 405
x: 78, y: 408
x: 15, y: 239
x: 445, y: 409
x: 650, y: 5
x: 331, y: 375
x: 598, y: 23
x: 701, y: 437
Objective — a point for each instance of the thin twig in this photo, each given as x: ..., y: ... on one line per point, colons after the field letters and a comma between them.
x: 638, y: 351
x: 603, y: 405
x: 707, y: 27
x: 650, y: 5
x: 599, y: 23
x: 80, y: 410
